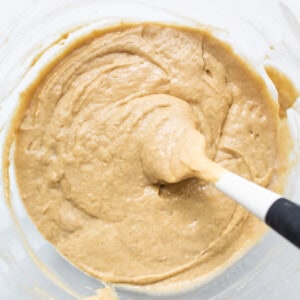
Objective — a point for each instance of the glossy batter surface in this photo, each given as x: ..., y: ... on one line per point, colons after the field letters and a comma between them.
x: 97, y: 153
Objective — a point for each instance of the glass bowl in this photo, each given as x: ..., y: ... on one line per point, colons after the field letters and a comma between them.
x: 263, y: 32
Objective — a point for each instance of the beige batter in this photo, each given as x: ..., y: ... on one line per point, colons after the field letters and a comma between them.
x: 106, y: 293
x: 108, y: 144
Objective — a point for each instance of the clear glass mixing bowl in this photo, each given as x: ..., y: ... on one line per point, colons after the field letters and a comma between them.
x: 264, y: 32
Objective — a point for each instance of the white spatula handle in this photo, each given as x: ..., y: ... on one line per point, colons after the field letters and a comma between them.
x: 279, y: 213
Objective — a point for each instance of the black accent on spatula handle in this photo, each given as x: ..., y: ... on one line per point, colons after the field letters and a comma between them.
x: 284, y: 217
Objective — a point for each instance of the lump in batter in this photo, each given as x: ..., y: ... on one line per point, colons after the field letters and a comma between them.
x: 112, y: 109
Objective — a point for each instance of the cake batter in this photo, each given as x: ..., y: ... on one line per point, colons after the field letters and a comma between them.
x: 108, y: 139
